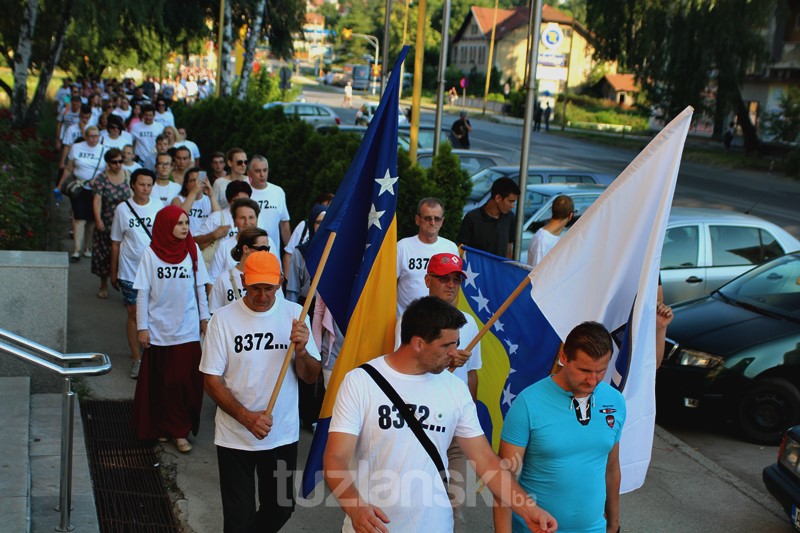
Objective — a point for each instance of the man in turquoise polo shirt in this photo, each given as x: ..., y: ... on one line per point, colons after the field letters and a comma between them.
x: 562, y: 436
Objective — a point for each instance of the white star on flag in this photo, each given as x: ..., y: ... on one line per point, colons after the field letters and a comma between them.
x: 512, y: 348
x: 471, y: 276
x: 480, y: 300
x: 387, y: 184
x: 508, y: 396
x: 374, y: 217
x: 498, y: 325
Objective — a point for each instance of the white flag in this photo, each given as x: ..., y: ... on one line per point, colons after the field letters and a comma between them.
x: 605, y: 269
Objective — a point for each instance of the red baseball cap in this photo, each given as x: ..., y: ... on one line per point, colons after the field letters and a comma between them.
x: 444, y: 264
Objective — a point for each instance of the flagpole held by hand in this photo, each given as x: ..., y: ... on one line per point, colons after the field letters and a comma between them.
x: 486, y: 327
x: 311, y: 292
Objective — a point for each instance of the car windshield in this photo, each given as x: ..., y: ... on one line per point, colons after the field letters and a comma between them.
x: 773, y: 287
x: 482, y: 183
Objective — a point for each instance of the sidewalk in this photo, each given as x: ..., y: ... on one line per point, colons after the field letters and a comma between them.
x: 684, y: 491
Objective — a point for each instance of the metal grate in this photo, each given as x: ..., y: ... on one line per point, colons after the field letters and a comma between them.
x: 129, y: 490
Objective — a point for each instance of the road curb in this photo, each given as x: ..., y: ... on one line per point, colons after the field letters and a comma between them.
x: 761, y: 499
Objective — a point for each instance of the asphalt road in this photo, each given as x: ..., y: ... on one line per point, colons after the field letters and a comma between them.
x: 768, y: 195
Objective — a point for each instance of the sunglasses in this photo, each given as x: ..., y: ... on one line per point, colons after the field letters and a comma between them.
x: 262, y: 248
x: 241, y: 162
x: 456, y: 279
x: 115, y: 162
x: 430, y: 219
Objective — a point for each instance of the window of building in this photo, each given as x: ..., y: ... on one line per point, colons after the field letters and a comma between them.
x: 481, y: 55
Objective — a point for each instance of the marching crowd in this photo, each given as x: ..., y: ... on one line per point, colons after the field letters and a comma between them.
x: 210, y: 256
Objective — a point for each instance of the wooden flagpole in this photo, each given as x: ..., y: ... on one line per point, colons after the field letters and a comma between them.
x: 311, y: 292
x: 486, y: 327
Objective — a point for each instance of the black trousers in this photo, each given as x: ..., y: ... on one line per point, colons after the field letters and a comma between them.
x: 237, y: 479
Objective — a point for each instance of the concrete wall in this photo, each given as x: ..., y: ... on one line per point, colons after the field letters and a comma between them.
x: 33, y: 304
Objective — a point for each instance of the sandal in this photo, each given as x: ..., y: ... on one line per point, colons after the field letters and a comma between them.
x: 102, y: 294
x: 183, y: 445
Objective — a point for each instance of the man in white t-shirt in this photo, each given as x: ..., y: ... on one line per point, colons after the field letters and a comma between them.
x: 374, y: 463
x: 164, y: 189
x: 145, y: 133
x: 131, y: 233
x: 245, y: 346
x: 548, y: 235
x: 443, y: 280
x: 237, y: 161
x: 414, y: 252
x: 274, y: 217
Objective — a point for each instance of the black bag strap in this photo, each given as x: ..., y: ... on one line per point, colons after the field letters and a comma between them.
x: 141, y: 222
x: 410, y: 419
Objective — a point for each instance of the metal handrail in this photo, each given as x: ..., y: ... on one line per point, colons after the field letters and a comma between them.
x: 67, y: 366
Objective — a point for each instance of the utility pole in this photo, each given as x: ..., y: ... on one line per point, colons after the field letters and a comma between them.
x: 491, y: 58
x: 419, y: 52
x: 534, y: 25
x: 442, y: 67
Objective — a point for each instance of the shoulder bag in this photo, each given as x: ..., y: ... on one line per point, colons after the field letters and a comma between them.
x: 410, y: 419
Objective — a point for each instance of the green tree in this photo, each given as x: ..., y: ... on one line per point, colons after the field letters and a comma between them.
x: 784, y: 123
x: 681, y: 50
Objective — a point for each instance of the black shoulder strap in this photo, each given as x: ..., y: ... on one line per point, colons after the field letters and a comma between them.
x: 410, y: 419
x: 141, y: 222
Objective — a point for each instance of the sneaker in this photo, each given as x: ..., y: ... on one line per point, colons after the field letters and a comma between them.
x: 87, y: 253
x: 75, y: 257
x: 135, y: 369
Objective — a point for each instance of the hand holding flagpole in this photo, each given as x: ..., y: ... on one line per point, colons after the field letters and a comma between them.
x: 303, y: 314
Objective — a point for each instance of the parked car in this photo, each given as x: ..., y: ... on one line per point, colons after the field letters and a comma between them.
x: 782, y: 479
x: 705, y: 248
x: 482, y: 180
x: 471, y: 160
x: 314, y: 114
x: 736, y: 353
x: 425, y: 136
x: 368, y: 110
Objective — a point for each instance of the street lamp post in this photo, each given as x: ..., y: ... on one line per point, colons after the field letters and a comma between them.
x: 374, y: 42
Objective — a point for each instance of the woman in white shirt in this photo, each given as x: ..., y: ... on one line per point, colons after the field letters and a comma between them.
x: 196, y: 199
x: 228, y: 287
x: 85, y: 160
x: 171, y: 314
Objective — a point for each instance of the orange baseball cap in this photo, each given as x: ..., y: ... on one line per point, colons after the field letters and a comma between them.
x: 262, y: 267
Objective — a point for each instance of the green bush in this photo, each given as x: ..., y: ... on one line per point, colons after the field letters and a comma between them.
x: 26, y: 179
x: 451, y: 184
x: 792, y: 163
x: 264, y: 87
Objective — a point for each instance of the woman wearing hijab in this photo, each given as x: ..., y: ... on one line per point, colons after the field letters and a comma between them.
x: 171, y: 314
x: 298, y: 279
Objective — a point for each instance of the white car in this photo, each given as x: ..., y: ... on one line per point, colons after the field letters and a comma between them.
x: 706, y: 248
x: 703, y: 248
x: 314, y: 114
x: 368, y: 110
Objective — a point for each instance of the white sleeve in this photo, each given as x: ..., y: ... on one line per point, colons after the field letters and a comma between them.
x: 215, y: 357
x: 347, y: 411
x: 285, y: 211
x: 212, y: 222
x: 294, y: 240
x: 218, y: 262
x: 117, y: 231
x: 218, y: 298
x: 142, y: 286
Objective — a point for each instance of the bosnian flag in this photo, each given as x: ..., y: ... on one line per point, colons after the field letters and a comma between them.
x: 604, y: 269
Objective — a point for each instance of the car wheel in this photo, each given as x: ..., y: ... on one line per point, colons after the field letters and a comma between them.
x: 767, y: 408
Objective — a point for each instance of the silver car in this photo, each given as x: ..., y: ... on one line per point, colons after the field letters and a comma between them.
x: 482, y: 180
x: 706, y: 248
x: 539, y: 206
x: 314, y: 114
x: 471, y: 160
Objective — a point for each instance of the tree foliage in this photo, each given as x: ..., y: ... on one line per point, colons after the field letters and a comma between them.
x: 682, y: 50
x: 784, y: 123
